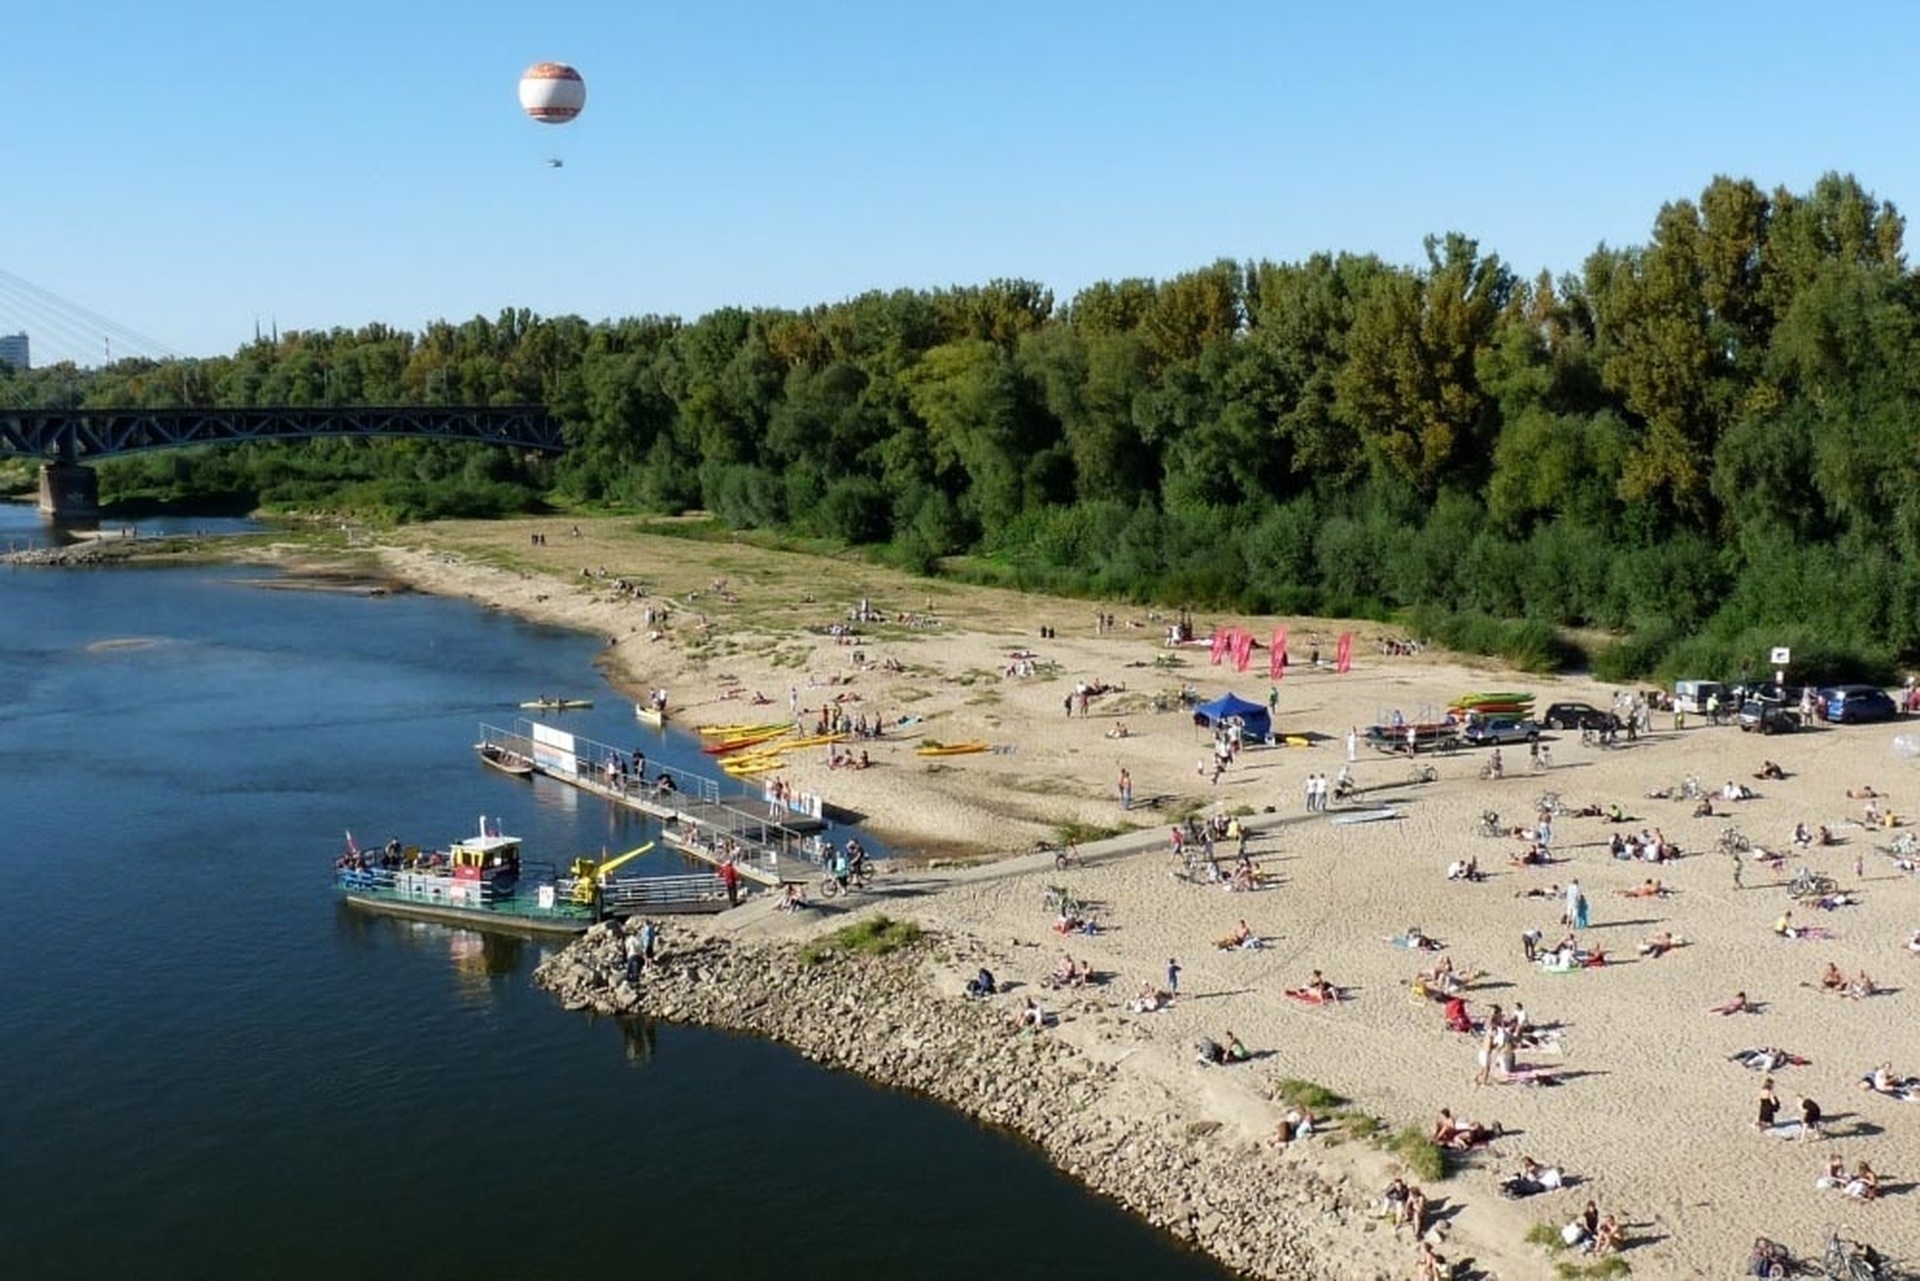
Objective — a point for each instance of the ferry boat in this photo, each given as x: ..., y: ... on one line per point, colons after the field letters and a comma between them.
x: 478, y: 881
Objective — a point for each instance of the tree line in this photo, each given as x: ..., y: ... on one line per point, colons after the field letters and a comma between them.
x: 1701, y: 447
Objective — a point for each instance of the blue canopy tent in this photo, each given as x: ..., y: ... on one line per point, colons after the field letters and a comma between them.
x: 1253, y: 716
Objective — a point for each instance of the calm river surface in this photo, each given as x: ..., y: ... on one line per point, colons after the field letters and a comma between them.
x: 209, y: 1069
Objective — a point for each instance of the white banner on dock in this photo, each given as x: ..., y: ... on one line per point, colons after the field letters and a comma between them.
x: 553, y: 750
x: 794, y: 802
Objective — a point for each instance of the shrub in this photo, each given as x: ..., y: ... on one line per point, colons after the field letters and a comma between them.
x: 874, y: 936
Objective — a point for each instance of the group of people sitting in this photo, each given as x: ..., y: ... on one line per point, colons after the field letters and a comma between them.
x: 1460, y: 1136
x: 1860, y: 985
x: 1805, y: 836
x: 1070, y: 973
x: 1318, y: 989
x: 1650, y: 846
x: 1443, y: 979
x: 1149, y: 999
x: 1465, y: 869
x: 1228, y: 1050
x: 1567, y: 955
x: 1862, y: 1185
x: 1592, y: 1233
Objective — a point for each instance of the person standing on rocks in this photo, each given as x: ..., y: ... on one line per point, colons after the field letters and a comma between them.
x: 636, y: 955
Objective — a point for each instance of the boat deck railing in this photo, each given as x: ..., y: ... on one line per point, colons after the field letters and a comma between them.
x: 539, y: 895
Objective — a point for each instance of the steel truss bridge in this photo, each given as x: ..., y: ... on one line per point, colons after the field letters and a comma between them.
x: 85, y: 435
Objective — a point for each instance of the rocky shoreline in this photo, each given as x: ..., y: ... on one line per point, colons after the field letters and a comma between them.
x: 884, y: 1018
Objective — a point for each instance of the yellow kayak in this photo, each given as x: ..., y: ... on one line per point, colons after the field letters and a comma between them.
x: 759, y: 765
x: 743, y: 731
x: 953, y: 749
x: 813, y: 740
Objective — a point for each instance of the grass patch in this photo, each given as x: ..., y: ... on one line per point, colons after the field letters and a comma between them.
x: 1423, y: 1157
x: 1598, y: 1270
x: 1296, y: 1093
x: 1545, y: 1235
x: 1072, y: 829
x: 875, y: 936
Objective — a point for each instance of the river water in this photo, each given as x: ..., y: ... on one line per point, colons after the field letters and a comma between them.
x: 210, y: 1069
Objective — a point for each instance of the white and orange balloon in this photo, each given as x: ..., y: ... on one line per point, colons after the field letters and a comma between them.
x: 552, y: 92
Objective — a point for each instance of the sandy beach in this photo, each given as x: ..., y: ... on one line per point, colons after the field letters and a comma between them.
x: 1645, y: 1107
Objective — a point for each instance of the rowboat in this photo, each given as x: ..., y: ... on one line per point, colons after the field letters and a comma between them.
x: 648, y: 714
x: 953, y: 749
x: 556, y: 704
x: 505, y: 759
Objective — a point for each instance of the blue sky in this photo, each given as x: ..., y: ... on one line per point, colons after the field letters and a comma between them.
x: 183, y: 168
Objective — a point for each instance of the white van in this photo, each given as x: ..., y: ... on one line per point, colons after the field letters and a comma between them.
x: 1692, y: 696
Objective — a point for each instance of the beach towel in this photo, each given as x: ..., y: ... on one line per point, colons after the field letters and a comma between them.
x: 1305, y: 997
x: 1813, y: 933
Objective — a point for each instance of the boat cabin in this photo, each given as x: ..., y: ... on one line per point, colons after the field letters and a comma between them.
x: 492, y: 860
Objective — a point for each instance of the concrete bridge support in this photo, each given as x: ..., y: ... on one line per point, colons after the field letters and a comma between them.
x: 69, y: 492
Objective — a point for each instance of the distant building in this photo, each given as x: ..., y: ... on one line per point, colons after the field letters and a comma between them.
x: 13, y: 351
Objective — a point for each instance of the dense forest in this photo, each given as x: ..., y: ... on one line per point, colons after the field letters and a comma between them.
x: 1702, y: 446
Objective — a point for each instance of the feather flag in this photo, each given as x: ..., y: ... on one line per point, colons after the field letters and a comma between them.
x: 1277, y: 661
x: 1221, y: 639
x: 1343, y: 655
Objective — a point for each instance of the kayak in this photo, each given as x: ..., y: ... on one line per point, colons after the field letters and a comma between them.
x: 953, y: 749
x: 556, y: 704
x: 1481, y: 700
x: 741, y: 731
x: 726, y: 745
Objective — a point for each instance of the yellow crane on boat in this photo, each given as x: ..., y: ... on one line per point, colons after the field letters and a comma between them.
x: 589, y: 874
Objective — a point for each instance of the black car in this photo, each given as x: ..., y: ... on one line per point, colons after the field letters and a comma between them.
x: 1572, y: 715
x: 1768, y: 718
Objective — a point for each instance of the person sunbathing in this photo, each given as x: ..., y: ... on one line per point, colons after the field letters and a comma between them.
x: 1833, y: 980
x: 1461, y: 1136
x: 1736, y: 1004
x: 1318, y: 987
x: 1859, y: 986
x: 1769, y: 770
x: 1864, y: 792
x: 1649, y: 888
x: 1241, y: 936
x: 1660, y: 944
x: 1606, y: 1238
x: 1149, y: 1000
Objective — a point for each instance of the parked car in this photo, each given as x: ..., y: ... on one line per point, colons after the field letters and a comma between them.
x: 1572, y: 715
x: 1768, y: 718
x: 1501, y: 729
x: 1852, y: 704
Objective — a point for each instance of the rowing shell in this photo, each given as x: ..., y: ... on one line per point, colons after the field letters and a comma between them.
x: 1364, y: 816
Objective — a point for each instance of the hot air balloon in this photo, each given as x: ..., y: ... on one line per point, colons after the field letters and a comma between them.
x: 552, y: 92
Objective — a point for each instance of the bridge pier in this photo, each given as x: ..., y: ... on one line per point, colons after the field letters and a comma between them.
x: 69, y: 491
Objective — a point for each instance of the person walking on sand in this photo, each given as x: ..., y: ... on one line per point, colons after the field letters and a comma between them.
x: 1126, y: 789
x: 1353, y: 744
x: 1573, y: 902
x: 1739, y: 866
x: 1173, y: 977
x: 1580, y: 911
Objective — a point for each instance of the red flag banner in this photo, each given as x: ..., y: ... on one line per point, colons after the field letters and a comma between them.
x: 1242, y: 648
x: 1277, y: 661
x: 1343, y: 655
x: 1221, y: 639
